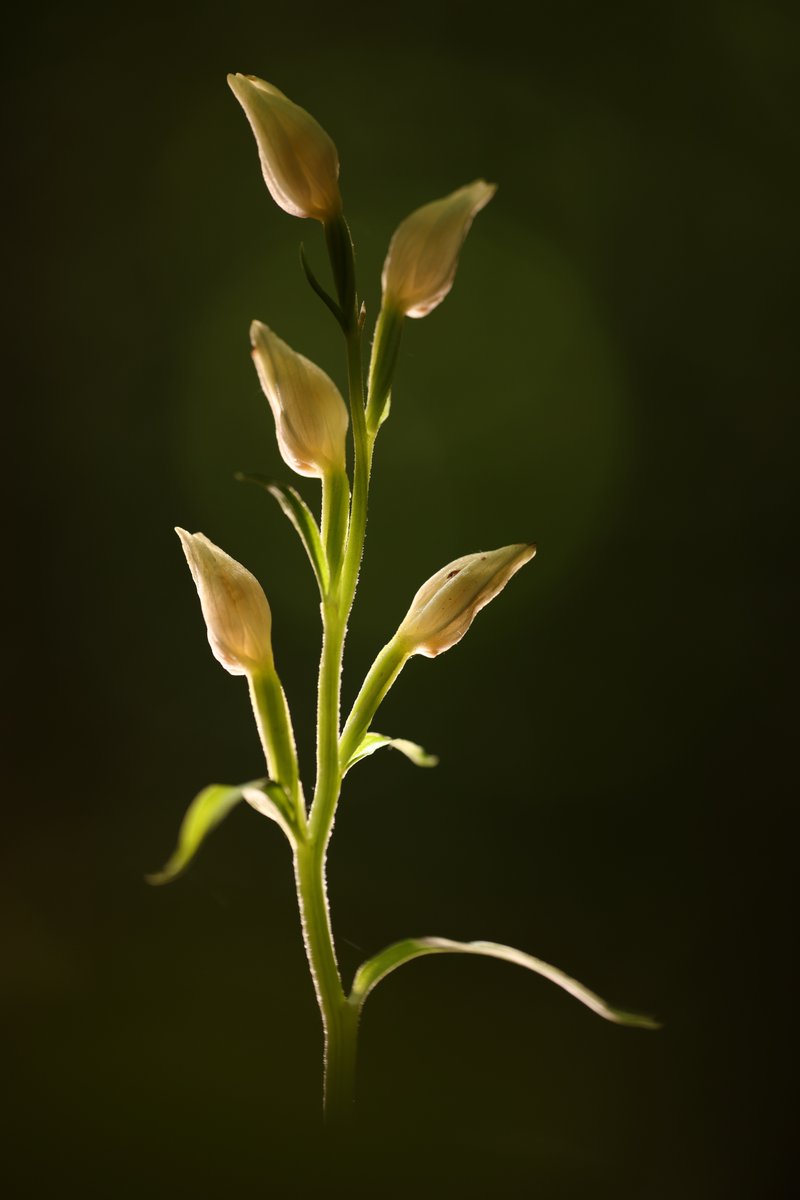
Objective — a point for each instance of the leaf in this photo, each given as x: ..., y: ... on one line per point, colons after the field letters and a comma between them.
x: 317, y: 287
x: 301, y: 517
x: 374, y: 741
x: 375, y: 969
x: 271, y: 800
x: 208, y: 808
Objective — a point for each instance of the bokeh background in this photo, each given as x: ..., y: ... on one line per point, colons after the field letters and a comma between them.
x: 610, y: 377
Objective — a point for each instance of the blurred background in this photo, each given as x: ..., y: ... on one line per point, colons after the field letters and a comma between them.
x: 611, y: 378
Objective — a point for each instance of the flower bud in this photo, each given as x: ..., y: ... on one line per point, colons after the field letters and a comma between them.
x: 299, y: 161
x: 310, y: 415
x: 235, y: 609
x: 444, y: 607
x: 423, y: 254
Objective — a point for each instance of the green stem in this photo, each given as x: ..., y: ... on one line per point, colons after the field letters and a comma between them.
x: 275, y: 730
x: 383, y: 361
x: 381, y: 676
x: 341, y: 1048
x: 340, y: 1029
x: 310, y: 863
x: 342, y: 260
x: 329, y: 779
x: 335, y: 512
x: 344, y: 546
x: 362, y: 466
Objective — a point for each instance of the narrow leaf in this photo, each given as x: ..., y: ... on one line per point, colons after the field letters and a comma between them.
x: 374, y: 741
x: 375, y: 969
x: 271, y: 801
x: 301, y: 517
x: 205, y: 812
x: 317, y: 287
x: 211, y: 806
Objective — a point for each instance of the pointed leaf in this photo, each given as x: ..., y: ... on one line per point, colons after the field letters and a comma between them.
x: 205, y: 812
x: 301, y: 517
x: 374, y: 741
x: 317, y: 287
x: 210, y: 807
x: 377, y: 968
x: 271, y: 800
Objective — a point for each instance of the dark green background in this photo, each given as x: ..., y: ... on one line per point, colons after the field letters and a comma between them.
x: 610, y: 377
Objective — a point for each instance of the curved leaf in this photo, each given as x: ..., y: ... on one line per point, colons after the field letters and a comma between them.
x: 317, y: 287
x: 271, y: 801
x: 210, y: 807
x: 375, y: 969
x: 374, y: 741
x: 205, y: 812
x: 301, y: 517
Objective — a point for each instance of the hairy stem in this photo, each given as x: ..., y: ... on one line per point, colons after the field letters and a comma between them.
x: 335, y: 513
x: 362, y: 466
x: 339, y: 1029
x: 326, y: 791
x: 275, y: 730
x: 344, y: 544
x: 382, y: 674
x: 383, y: 361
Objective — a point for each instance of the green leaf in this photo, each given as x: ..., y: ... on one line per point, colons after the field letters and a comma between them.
x: 374, y: 741
x: 301, y: 517
x: 271, y: 800
x: 375, y: 969
x: 383, y: 364
x: 340, y: 254
x: 210, y: 807
x: 317, y: 287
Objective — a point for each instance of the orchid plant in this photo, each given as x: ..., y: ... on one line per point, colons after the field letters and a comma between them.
x: 300, y: 165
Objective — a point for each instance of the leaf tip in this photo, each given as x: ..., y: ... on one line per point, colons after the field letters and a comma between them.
x: 157, y: 878
x: 637, y: 1021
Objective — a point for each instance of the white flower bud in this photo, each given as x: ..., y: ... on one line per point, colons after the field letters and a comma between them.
x: 235, y: 609
x: 310, y: 415
x: 423, y: 254
x: 444, y: 607
x: 299, y: 160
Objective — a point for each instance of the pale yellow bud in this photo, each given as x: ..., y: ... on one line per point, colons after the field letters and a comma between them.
x: 235, y: 609
x: 299, y: 160
x: 444, y: 607
x: 310, y: 415
x: 423, y: 254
